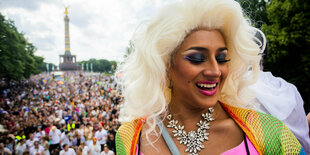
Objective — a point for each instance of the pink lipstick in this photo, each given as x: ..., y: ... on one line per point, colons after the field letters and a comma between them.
x: 207, y: 88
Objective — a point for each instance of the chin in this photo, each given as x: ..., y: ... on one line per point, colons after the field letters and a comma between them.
x: 205, y: 102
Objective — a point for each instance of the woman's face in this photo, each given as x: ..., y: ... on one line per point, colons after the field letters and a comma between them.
x: 199, y: 69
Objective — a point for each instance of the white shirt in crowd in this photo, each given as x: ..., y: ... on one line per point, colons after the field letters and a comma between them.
x: 39, y: 135
x: 64, y: 139
x: 109, y: 153
x: 80, y: 131
x: 55, y: 136
x: 94, y: 149
x: 59, y: 112
x: 85, y: 150
x: 69, y: 152
x: 101, y: 136
x: 7, y: 150
x: 20, y: 148
x: 62, y: 121
x: 283, y: 101
x: 95, y: 112
x: 30, y: 143
x: 35, y: 151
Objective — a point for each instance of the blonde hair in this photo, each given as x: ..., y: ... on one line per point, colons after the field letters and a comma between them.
x: 144, y: 73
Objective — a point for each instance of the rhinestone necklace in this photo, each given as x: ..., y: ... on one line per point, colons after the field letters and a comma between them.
x: 193, y: 139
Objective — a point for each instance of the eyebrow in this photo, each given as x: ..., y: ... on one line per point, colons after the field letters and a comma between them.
x: 203, y: 49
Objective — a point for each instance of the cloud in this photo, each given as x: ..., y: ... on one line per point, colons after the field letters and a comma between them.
x: 24, y: 4
x: 98, y: 29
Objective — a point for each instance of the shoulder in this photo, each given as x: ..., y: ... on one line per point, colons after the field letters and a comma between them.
x: 268, y: 134
x: 127, y: 136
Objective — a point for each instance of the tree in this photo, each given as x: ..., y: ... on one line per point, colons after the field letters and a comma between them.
x: 17, y: 59
x: 101, y: 65
x: 288, y: 35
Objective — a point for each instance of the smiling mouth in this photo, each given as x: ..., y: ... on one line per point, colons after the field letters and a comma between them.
x: 207, y: 88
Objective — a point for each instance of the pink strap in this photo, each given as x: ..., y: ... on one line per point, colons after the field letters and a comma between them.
x: 241, y: 149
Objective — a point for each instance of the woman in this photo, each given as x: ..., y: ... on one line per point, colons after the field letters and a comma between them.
x: 185, y: 87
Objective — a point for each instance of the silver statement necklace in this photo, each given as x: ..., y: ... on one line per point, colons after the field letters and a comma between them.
x: 193, y: 139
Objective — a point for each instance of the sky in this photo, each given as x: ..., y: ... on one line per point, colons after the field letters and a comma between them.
x: 99, y: 29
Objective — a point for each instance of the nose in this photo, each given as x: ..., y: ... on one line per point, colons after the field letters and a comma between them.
x: 211, y: 69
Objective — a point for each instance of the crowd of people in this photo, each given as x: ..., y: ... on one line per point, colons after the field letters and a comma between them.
x: 77, y: 115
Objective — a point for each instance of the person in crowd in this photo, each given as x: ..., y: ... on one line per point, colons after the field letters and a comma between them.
x: 78, y: 138
x: 101, y: 136
x: 21, y: 147
x: 39, y: 133
x: 94, y: 147
x: 45, y: 144
x: 186, y: 90
x: 10, y: 143
x: 111, y: 142
x: 88, y: 133
x: 106, y: 151
x: 67, y: 151
x: 65, y: 138
x: 84, y: 149
x: 37, y: 149
x: 55, y: 136
x: 30, y: 141
x: 4, y: 150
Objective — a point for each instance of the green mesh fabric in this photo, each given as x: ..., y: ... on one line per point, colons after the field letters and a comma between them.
x: 268, y: 134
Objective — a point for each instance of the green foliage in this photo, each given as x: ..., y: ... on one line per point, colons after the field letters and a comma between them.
x: 17, y: 59
x: 100, y: 65
x: 288, y: 36
x: 42, y: 65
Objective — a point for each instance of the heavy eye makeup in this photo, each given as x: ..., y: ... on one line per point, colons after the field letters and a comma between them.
x: 197, y: 58
x: 221, y: 58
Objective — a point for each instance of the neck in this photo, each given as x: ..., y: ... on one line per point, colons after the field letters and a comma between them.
x: 189, y: 116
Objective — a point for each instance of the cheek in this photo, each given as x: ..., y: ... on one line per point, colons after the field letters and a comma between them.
x: 224, y: 73
x: 183, y: 72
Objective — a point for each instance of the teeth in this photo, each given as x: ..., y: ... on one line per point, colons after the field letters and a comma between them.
x: 206, y: 85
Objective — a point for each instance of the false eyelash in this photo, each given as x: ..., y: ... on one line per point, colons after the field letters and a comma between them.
x: 194, y: 60
x: 223, y: 61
